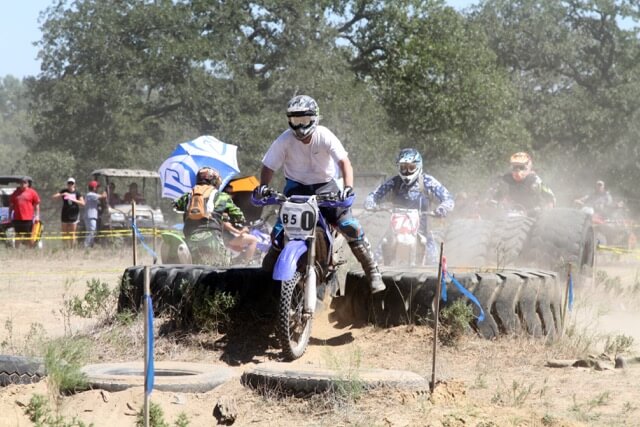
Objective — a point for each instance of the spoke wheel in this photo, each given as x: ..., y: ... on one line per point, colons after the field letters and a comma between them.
x: 294, y: 327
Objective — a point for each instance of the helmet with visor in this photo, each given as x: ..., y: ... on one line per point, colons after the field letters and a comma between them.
x: 303, y: 115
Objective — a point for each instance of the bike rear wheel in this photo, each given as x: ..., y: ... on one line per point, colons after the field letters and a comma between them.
x: 294, y: 327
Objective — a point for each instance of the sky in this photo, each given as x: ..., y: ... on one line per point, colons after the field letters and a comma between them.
x: 19, y: 29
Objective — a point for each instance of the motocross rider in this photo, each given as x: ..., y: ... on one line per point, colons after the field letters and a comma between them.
x: 522, y: 186
x: 221, y: 222
x: 310, y: 155
x: 600, y: 200
x: 413, y: 189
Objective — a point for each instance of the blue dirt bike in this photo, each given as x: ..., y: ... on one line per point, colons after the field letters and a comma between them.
x: 308, y: 262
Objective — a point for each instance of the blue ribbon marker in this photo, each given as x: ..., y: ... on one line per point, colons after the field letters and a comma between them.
x: 148, y: 379
x: 570, y: 291
x: 144, y: 245
x: 464, y: 292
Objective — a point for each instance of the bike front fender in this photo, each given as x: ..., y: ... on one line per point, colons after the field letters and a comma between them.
x: 287, y: 263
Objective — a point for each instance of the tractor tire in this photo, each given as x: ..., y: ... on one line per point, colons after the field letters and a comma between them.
x: 20, y: 370
x: 514, y: 301
x: 178, y: 377
x: 306, y: 380
x: 561, y: 237
x: 467, y: 243
x: 170, y: 285
x: 510, y: 234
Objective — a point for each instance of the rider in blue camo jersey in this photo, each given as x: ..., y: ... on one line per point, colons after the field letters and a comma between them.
x: 412, y: 189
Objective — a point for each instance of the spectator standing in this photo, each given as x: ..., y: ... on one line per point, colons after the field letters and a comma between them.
x: 24, y: 209
x: 91, y: 212
x: 70, y: 214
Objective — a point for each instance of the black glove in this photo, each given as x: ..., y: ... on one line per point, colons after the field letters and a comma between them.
x: 262, y: 191
x: 346, y: 193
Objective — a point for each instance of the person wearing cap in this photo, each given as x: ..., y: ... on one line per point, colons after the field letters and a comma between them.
x: 522, y: 187
x: 24, y: 209
x: 600, y: 200
x: 91, y: 212
x: 70, y: 214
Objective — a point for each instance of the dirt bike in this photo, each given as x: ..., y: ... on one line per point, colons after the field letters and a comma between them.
x: 310, y: 257
x: 403, y: 244
x: 175, y: 247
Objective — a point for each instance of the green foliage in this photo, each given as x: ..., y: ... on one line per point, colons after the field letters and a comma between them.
x: 182, y: 420
x: 156, y: 416
x: 40, y: 414
x: 618, y: 344
x: 64, y: 359
x: 98, y: 300
x: 122, y: 83
x: 213, y: 311
x: 455, y: 318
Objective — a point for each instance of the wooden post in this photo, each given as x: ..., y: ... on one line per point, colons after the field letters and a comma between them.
x: 566, y: 297
x: 147, y: 291
x: 437, y: 316
x: 133, y: 232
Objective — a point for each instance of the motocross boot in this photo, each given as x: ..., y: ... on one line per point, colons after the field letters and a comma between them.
x: 269, y: 260
x: 362, y: 251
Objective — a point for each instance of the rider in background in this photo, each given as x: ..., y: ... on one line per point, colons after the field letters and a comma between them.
x: 221, y: 217
x: 522, y: 186
x: 600, y: 200
x: 311, y: 155
x: 413, y: 189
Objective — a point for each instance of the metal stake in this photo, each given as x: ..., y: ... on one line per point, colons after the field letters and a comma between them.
x: 437, y: 316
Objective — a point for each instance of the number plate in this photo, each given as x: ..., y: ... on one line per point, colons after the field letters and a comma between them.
x: 298, y: 219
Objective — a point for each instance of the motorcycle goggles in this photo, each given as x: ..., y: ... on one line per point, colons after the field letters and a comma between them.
x: 518, y: 168
x: 297, y: 122
x: 407, y: 168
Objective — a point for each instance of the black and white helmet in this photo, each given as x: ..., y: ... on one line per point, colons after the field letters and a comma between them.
x: 409, y: 165
x: 303, y: 115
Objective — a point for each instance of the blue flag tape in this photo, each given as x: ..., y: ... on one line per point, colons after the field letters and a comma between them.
x: 144, y: 245
x: 443, y: 288
x: 148, y: 379
x: 570, y: 296
x: 464, y: 292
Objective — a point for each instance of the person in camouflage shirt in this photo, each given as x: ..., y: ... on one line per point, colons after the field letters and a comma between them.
x: 222, y: 223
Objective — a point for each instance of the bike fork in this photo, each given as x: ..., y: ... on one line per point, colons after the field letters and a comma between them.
x: 310, y: 279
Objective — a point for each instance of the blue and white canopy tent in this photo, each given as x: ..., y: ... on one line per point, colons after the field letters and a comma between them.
x: 178, y: 172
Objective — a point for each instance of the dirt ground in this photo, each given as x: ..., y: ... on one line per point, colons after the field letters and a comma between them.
x: 481, y: 382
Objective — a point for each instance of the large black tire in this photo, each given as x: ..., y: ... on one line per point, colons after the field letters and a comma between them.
x: 171, y: 283
x: 294, y: 327
x: 561, y: 237
x: 515, y: 301
x: 20, y: 370
x: 179, y: 377
x: 467, y: 243
x: 302, y: 379
x: 509, y: 237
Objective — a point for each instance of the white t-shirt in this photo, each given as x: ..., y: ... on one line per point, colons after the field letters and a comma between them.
x: 312, y: 163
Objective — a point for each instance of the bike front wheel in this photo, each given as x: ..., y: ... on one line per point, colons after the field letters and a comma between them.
x: 294, y: 325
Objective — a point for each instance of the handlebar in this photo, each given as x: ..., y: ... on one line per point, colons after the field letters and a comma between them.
x: 392, y: 209
x: 325, y: 200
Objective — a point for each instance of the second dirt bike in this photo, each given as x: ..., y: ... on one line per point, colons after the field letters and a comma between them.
x: 176, y: 249
x: 308, y: 262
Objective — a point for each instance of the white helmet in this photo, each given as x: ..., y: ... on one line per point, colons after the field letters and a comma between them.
x: 409, y: 165
x: 303, y: 114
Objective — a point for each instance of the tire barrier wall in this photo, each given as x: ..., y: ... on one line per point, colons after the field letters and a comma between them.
x: 515, y: 301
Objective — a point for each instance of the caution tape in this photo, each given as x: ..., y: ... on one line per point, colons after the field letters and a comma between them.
x: 58, y: 272
x: 46, y: 235
x: 620, y: 250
